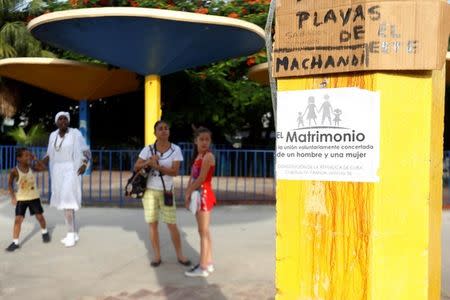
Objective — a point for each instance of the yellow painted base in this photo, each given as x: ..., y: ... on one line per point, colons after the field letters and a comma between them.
x: 370, y: 240
x: 152, y: 106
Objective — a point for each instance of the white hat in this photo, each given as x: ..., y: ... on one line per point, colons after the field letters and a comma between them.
x: 62, y: 113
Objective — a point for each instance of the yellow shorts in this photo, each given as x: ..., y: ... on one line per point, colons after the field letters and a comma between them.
x: 153, y: 202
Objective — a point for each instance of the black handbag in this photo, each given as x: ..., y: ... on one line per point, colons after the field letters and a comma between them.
x: 137, y: 183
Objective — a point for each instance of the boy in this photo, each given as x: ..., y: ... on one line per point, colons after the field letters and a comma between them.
x: 27, y: 195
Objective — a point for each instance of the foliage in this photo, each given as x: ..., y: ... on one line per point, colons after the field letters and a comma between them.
x: 233, y: 102
x: 15, y: 40
x: 254, y: 11
x: 36, y: 136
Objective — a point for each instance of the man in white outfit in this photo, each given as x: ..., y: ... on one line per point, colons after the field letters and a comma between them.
x: 68, y: 156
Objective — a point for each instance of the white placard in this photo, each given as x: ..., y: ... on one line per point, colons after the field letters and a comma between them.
x: 328, y: 135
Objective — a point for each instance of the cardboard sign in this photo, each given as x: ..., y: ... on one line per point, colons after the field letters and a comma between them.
x: 328, y: 134
x: 330, y: 36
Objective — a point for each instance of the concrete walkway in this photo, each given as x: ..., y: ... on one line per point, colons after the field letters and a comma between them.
x: 111, y: 259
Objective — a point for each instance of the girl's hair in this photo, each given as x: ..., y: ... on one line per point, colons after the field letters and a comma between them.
x: 197, y: 132
x: 160, y: 122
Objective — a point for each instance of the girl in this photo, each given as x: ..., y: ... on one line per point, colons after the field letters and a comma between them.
x: 201, y: 176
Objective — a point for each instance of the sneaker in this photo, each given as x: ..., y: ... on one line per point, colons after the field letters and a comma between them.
x: 46, y: 237
x: 70, y: 240
x: 210, y: 268
x: 12, y: 247
x: 197, y: 271
x: 63, y: 241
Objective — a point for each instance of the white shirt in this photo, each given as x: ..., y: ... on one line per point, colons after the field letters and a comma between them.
x: 68, y: 148
x: 165, y: 160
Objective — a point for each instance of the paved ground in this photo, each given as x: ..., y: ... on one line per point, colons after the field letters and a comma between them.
x: 111, y: 260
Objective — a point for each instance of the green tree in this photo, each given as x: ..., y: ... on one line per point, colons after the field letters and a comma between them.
x: 16, y: 41
x: 219, y: 96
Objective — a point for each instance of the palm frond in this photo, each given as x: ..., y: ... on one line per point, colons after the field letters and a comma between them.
x: 12, y: 31
x: 19, y: 135
x: 46, y: 53
x: 8, y: 5
x: 35, y: 136
x: 6, y: 50
x: 32, y: 47
x: 35, y: 7
x: 17, y: 35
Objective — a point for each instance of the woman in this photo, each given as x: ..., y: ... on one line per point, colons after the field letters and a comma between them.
x: 164, y: 159
x: 68, y: 156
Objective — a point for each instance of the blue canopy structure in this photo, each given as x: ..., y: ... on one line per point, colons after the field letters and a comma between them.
x: 150, y: 42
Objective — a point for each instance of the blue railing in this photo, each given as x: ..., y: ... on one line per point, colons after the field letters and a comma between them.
x: 241, y: 175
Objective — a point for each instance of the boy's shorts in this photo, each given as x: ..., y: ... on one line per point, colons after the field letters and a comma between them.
x: 153, y: 202
x: 34, y: 206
